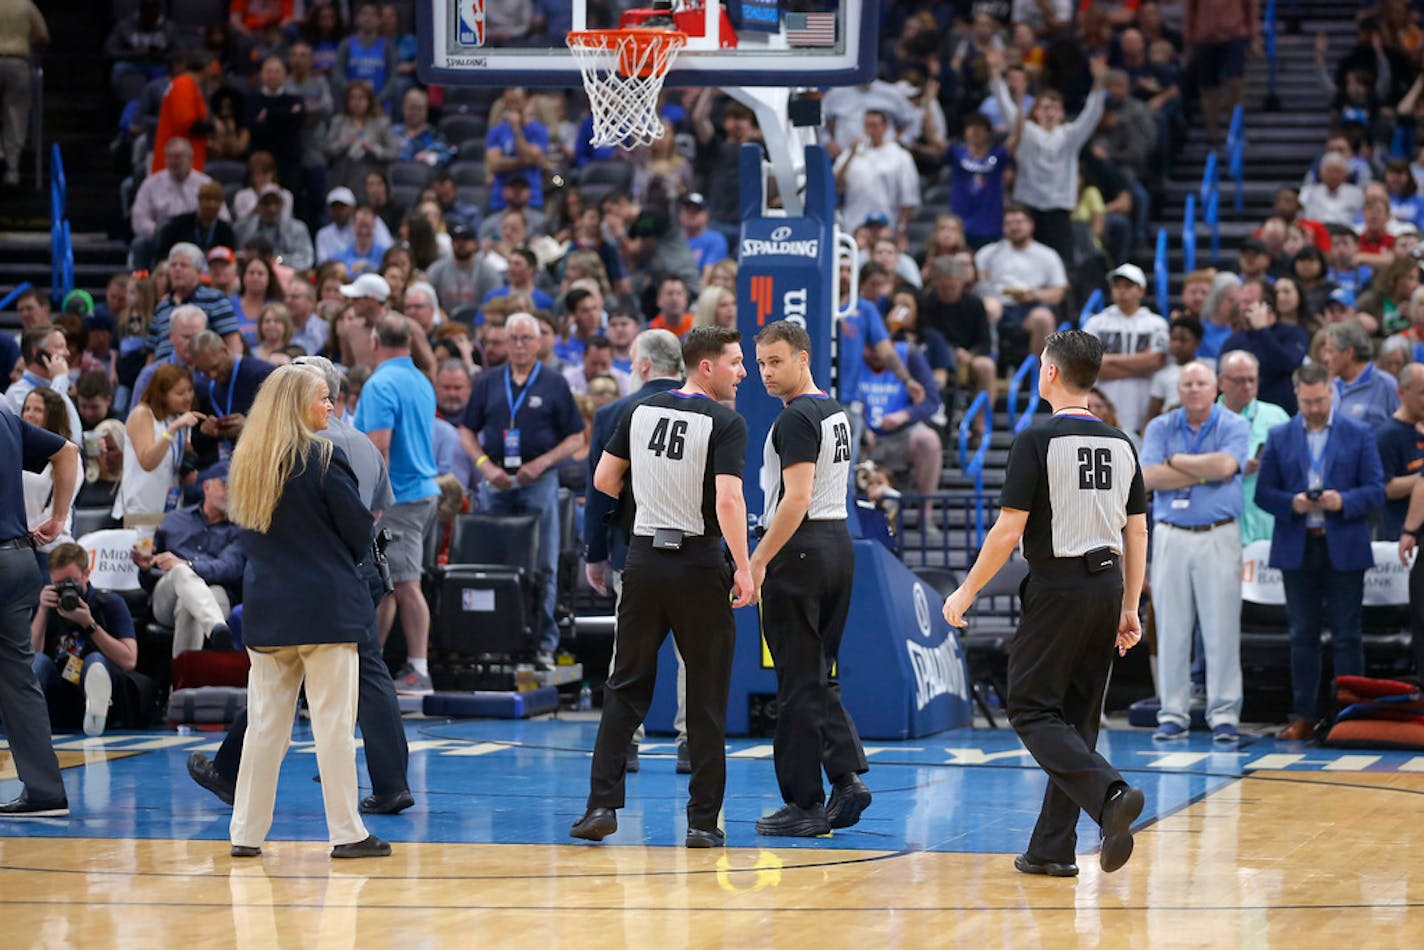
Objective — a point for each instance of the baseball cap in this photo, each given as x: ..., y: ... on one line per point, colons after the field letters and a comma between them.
x: 221, y: 253
x: 694, y: 199
x: 459, y: 230
x: 1342, y: 296
x: 1131, y: 272
x: 1254, y: 244
x: 341, y: 196
x: 100, y: 319
x: 79, y: 302
x: 875, y: 218
x: 216, y: 470
x: 269, y: 190
x: 516, y: 177
x: 367, y: 285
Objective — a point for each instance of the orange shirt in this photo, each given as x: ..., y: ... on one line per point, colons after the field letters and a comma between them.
x: 183, y: 105
x: 678, y: 329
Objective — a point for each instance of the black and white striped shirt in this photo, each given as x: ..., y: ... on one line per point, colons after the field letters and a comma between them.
x: 1078, y: 478
x: 676, y: 445
x: 812, y: 428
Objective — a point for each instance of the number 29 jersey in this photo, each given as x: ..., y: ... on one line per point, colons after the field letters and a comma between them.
x: 676, y: 445
x: 1078, y: 478
x: 812, y: 428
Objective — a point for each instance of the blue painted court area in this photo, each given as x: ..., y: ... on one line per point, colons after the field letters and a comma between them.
x: 971, y: 790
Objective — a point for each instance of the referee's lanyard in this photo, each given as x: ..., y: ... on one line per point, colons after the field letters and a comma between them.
x: 512, y: 457
x: 225, y: 446
x: 1193, y: 445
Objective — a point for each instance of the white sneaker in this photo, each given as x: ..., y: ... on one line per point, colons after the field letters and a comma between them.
x: 98, y: 689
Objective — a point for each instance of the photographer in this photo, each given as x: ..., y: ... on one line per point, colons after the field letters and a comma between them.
x: 83, y: 641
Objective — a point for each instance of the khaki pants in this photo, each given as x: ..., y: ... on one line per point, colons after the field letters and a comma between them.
x: 14, y: 108
x: 190, y: 606
x: 272, y: 685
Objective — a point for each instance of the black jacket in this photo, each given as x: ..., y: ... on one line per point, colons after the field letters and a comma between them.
x: 302, y: 584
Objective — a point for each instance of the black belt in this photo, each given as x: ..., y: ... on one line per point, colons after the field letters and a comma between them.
x: 1199, y: 528
x: 1315, y: 532
x: 13, y: 544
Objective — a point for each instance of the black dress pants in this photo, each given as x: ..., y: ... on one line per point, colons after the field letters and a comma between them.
x: 687, y: 592
x: 1059, y: 663
x: 805, y: 599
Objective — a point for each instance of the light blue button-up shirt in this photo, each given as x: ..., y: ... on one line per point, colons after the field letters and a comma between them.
x: 1169, y: 434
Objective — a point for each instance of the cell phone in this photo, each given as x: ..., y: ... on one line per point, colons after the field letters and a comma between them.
x: 1314, y: 494
x: 1259, y: 449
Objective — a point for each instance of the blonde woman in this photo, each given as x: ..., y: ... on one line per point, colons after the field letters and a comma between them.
x: 306, y: 605
x: 716, y: 307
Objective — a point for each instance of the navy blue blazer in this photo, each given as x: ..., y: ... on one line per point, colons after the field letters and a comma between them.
x: 605, y: 542
x: 302, y: 584
x: 1352, y: 467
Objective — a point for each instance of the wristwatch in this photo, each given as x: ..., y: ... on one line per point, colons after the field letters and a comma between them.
x: 89, y: 630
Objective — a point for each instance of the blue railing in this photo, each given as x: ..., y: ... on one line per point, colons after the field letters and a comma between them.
x: 1161, y: 275
x: 1211, y: 204
x: 1273, y: 101
x: 1236, y: 154
x: 1094, y: 304
x: 973, y: 467
x: 1025, y: 376
x: 14, y: 295
x: 61, y: 248
x: 1189, y: 235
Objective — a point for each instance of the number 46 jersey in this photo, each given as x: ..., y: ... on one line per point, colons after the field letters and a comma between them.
x: 676, y: 445
x: 1078, y: 478
x: 812, y: 428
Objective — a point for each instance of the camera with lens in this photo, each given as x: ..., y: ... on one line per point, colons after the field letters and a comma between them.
x: 71, y: 594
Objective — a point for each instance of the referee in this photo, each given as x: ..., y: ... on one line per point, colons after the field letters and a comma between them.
x: 683, y: 452
x: 1073, y: 494
x: 803, y: 568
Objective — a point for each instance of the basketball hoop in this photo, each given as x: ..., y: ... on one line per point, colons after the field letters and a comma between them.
x: 623, y: 72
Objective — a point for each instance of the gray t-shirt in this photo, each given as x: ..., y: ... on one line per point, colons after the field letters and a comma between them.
x: 372, y: 479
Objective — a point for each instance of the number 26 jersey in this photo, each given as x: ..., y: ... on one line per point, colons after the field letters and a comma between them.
x: 676, y: 445
x: 1078, y: 478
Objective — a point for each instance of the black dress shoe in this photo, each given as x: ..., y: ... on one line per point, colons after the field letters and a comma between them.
x: 684, y: 760
x: 1028, y: 865
x: 595, y: 825
x: 372, y: 847
x: 245, y: 851
x: 1123, y: 806
x: 849, y: 797
x: 793, y: 821
x: 26, y: 807
x: 633, y: 763
x: 204, y: 771
x: 701, y: 838
x: 219, y: 638
x: 387, y: 804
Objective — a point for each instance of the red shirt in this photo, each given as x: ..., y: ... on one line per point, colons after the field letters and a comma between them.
x: 1376, y: 244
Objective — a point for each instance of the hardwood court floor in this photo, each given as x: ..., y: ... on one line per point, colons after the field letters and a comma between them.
x: 1322, y: 849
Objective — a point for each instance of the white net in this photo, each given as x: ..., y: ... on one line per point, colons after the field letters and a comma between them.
x: 623, y: 72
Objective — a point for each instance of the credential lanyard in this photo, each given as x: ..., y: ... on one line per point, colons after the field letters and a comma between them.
x: 231, y: 386
x: 524, y: 391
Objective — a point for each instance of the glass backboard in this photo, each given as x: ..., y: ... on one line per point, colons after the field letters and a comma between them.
x: 733, y: 43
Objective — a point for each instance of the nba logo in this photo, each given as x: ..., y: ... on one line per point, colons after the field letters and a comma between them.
x: 471, y: 23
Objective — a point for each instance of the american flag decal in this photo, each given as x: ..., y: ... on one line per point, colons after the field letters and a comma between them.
x: 810, y: 29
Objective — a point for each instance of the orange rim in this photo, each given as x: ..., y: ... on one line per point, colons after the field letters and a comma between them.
x: 635, y: 58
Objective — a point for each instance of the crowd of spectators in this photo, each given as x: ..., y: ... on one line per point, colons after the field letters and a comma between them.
x: 473, y: 243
